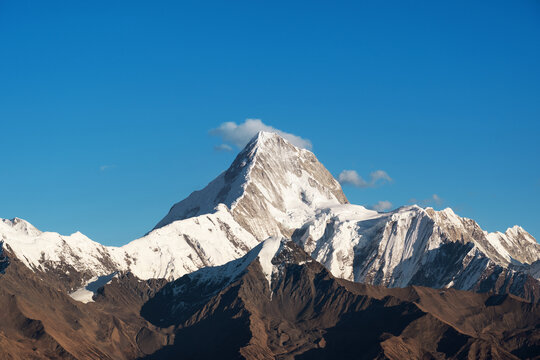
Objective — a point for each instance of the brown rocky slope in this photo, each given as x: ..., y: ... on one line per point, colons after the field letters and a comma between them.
x: 306, y: 313
x: 40, y: 321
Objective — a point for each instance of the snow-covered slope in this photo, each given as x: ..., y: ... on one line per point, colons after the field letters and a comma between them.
x: 74, y: 255
x: 169, y: 252
x: 184, y: 246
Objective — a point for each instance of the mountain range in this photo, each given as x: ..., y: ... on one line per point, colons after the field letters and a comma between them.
x: 270, y: 260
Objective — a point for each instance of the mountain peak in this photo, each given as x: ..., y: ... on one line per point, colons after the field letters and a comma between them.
x: 270, y: 188
x: 262, y: 136
x: 270, y: 143
x: 21, y: 225
x: 271, y: 140
x: 518, y: 233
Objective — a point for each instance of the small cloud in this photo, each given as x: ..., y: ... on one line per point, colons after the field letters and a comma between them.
x: 433, y: 199
x: 437, y: 199
x: 240, y: 134
x: 223, y: 148
x: 351, y: 177
x: 379, y: 175
x: 106, y: 167
x: 381, y: 206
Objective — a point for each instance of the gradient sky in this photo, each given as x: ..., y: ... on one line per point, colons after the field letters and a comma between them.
x: 106, y: 107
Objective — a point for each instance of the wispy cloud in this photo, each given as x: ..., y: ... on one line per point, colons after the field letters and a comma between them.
x: 351, y: 177
x: 383, y: 205
x: 437, y: 199
x: 240, y: 134
x: 432, y: 200
x: 106, y: 167
x: 223, y: 148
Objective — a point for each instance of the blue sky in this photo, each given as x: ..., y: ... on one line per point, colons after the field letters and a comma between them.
x: 106, y: 107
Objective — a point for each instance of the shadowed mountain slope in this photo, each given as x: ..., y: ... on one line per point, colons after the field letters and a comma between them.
x: 302, y: 311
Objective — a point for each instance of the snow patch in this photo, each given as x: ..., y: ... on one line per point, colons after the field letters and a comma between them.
x: 267, y: 252
x: 87, y: 292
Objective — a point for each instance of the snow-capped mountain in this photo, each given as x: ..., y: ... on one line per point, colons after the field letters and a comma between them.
x: 274, y: 189
x: 271, y: 188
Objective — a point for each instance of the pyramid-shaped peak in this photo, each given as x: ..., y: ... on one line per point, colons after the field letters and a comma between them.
x: 270, y: 188
x: 271, y: 152
x: 517, y: 232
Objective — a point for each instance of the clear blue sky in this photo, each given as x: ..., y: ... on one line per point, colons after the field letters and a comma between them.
x: 106, y: 106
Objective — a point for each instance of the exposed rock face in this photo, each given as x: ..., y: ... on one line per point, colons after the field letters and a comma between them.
x: 305, y: 312
x: 515, y: 245
x: 415, y: 246
x: 4, y: 260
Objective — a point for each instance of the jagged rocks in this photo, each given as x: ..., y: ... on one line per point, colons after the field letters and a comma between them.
x: 4, y: 260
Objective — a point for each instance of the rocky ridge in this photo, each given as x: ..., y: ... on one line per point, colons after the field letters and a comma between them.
x: 306, y: 313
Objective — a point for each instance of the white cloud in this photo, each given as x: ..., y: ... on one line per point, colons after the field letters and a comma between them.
x: 380, y: 175
x: 382, y: 206
x: 437, y: 199
x: 106, y: 167
x: 240, y: 134
x: 223, y: 147
x: 351, y: 177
